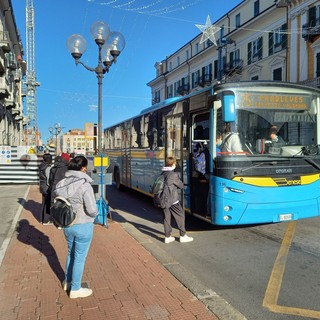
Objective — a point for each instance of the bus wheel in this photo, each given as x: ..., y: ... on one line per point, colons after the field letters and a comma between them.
x: 117, y: 179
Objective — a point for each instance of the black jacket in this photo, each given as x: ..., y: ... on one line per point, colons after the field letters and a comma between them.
x: 174, y: 183
x: 57, y: 172
x: 43, y: 180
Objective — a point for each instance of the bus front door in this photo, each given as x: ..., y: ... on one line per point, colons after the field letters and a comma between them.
x: 175, y: 135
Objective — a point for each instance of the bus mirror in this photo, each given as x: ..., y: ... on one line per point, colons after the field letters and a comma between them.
x: 313, y: 107
x: 228, y: 107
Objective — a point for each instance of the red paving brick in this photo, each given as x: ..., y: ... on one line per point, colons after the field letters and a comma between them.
x: 127, y: 281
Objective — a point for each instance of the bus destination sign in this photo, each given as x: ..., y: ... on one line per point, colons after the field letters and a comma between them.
x: 272, y: 101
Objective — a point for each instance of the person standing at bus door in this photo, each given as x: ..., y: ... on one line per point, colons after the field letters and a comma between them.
x: 44, y: 173
x: 173, y: 206
x: 231, y: 141
x: 76, y: 186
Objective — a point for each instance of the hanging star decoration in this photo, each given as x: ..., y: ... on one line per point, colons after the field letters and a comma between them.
x: 208, y: 31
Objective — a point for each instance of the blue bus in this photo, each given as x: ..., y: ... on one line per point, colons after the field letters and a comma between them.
x: 272, y: 175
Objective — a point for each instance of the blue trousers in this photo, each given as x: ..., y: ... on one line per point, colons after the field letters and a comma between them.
x: 79, y: 237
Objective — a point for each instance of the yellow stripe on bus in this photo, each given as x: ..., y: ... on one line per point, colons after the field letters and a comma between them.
x: 257, y: 181
x: 269, y: 182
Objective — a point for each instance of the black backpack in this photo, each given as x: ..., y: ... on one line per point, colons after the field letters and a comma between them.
x: 160, y: 191
x: 62, y: 212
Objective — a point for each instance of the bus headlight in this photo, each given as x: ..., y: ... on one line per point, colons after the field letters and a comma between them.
x: 227, y: 208
x: 226, y: 218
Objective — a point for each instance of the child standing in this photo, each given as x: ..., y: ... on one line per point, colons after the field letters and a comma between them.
x: 172, y: 205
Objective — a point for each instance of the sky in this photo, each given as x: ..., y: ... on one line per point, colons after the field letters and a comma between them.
x: 153, y: 30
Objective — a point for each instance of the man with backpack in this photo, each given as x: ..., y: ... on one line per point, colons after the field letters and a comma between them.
x: 170, y: 202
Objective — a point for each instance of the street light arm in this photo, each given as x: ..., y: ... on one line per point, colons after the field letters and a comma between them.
x: 87, y: 67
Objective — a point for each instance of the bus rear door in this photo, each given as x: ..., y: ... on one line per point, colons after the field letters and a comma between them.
x: 126, y: 157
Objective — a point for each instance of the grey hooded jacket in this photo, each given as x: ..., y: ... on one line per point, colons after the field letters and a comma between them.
x: 77, y: 188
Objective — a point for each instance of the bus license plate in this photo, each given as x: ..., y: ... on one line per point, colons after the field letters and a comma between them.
x: 286, y: 217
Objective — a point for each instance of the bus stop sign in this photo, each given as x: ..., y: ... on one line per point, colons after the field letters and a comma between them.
x: 102, y: 161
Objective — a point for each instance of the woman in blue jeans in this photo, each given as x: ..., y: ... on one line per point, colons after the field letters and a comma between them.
x: 77, y: 188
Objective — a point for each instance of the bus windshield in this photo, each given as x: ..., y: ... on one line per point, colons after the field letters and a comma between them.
x: 271, y: 124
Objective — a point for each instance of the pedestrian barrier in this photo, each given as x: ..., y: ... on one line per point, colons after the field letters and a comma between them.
x: 19, y: 165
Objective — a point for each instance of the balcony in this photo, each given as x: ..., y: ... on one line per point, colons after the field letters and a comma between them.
x: 205, y: 80
x: 313, y: 83
x: 10, y: 101
x: 4, y: 92
x: 310, y: 30
x: 234, y: 66
x: 4, y: 41
x: 184, y: 89
x: 15, y: 112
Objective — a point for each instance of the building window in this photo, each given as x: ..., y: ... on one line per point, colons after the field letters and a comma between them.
x: 170, y: 66
x: 195, y: 78
x: 235, y: 58
x: 255, y: 78
x: 170, y: 91
x: 156, y: 98
x: 197, y: 48
x: 255, y: 50
x: 277, y: 74
x: 278, y: 39
x: 187, y: 54
x: 238, y: 23
x: 222, y: 32
x: 178, y: 61
x: 256, y: 8
x: 215, y: 69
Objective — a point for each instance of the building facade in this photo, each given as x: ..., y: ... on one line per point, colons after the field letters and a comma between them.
x: 257, y: 40
x: 12, y: 70
x: 79, y: 141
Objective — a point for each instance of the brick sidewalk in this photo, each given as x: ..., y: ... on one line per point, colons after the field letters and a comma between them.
x: 127, y: 281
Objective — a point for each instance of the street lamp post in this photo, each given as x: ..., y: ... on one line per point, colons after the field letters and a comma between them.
x: 110, y: 45
x: 56, y: 131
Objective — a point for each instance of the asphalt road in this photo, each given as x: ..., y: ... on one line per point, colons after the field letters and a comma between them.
x: 250, y: 272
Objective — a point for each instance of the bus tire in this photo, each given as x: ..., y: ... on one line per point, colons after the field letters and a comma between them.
x: 119, y: 186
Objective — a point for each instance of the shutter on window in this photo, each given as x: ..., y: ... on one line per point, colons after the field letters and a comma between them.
x: 312, y: 17
x: 215, y: 69
x: 284, y: 37
x: 260, y: 48
x: 318, y: 65
x: 232, y: 59
x: 270, y: 43
x: 249, y: 52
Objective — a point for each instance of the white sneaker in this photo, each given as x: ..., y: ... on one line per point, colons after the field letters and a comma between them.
x: 185, y: 238
x: 81, y: 293
x: 169, y: 239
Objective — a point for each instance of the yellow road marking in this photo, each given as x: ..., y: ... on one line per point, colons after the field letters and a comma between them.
x: 274, y: 285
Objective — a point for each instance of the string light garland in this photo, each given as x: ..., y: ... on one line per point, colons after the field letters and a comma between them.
x: 159, y: 7
x: 163, y: 7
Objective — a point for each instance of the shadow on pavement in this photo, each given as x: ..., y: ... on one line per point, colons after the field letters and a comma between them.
x: 32, y: 206
x: 28, y: 234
